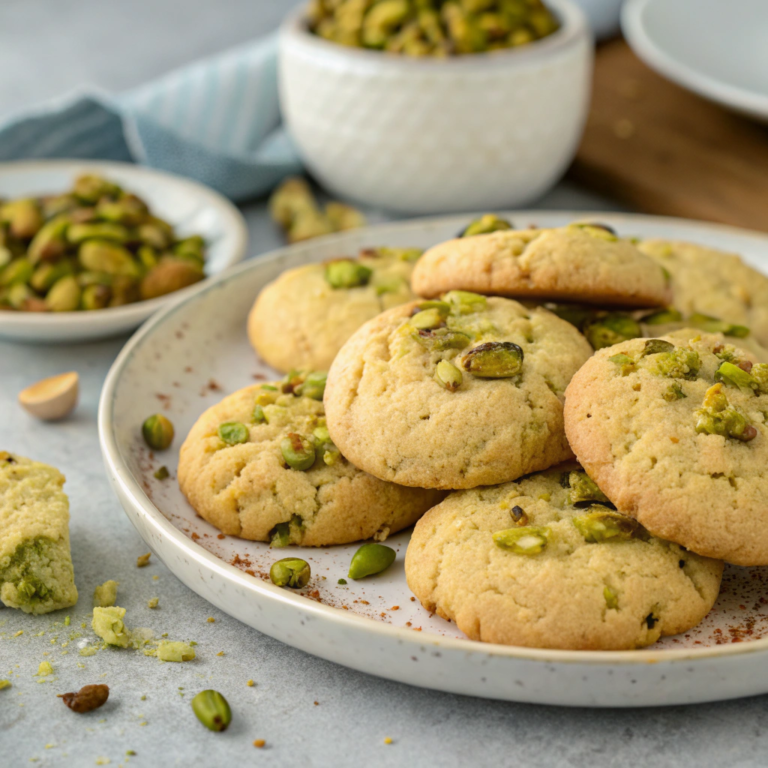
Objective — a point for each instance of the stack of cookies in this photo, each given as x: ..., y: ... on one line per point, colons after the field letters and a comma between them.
x: 474, y: 401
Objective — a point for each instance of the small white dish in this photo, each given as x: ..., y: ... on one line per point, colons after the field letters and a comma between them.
x: 486, y: 130
x: 195, y: 352
x: 191, y: 207
x: 715, y: 49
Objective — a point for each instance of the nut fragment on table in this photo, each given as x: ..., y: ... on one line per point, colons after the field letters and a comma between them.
x: 293, y: 206
x: 88, y: 698
x: 52, y: 398
x: 438, y: 28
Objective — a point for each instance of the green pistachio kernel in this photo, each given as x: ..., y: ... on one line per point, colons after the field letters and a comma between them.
x: 611, y: 329
x: 371, y: 559
x: 674, y: 392
x: 258, y: 414
x: 298, y: 452
x: 441, y: 339
x: 233, y: 432
x: 465, y: 302
x: 519, y: 515
x: 601, y: 231
x: 212, y: 710
x: 427, y: 319
x: 736, y: 376
x: 162, y: 473
x: 346, y: 273
x: 486, y: 224
x: 64, y: 295
x: 611, y: 598
x: 95, y: 297
x: 448, y: 375
x: 494, y: 360
x: 313, y: 385
x: 321, y: 434
x: 269, y: 387
x: 662, y: 317
x: 583, y: 488
x: 78, y: 233
x: 572, y: 313
x: 718, y: 417
x: 715, y: 325
x: 290, y: 572
x: 527, y: 540
x: 683, y: 363
x: 18, y: 271
x: 625, y: 362
x: 158, y: 432
x: 657, y: 346
x: 602, y: 524
x: 343, y: 582
x: 331, y: 454
x: 280, y: 535
x: 760, y: 374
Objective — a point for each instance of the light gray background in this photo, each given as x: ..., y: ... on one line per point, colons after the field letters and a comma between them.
x: 47, y: 48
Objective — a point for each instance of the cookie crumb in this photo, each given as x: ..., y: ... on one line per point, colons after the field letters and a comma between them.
x: 388, y: 740
x: 143, y: 560
x: 210, y: 620
x: 259, y: 743
x: 250, y: 683
x: 152, y: 602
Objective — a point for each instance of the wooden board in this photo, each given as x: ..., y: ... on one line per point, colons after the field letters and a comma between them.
x: 664, y: 150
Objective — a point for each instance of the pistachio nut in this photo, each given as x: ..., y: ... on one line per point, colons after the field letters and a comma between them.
x: 736, y: 377
x: 313, y: 385
x: 89, y: 188
x: 347, y: 273
x: 147, y: 256
x: 611, y: 329
x: 371, y: 559
x: 290, y: 572
x: 191, y: 247
x: 18, y: 271
x: 611, y: 598
x: 656, y: 347
x: 49, y: 244
x: 168, y: 276
x: 486, y: 224
x: 427, y: 319
x: 715, y: 325
x: 576, y: 315
x: 760, y: 374
x: 47, y: 273
x: 88, y: 698
x: 109, y: 257
x: 158, y: 432
x: 212, y: 710
x: 18, y: 295
x: 674, y: 392
x: 447, y: 375
x: 525, y: 540
x: 129, y: 210
x: 441, y: 339
x: 683, y: 363
x: 626, y: 363
x: 298, y: 451
x: 125, y: 290
x: 662, y: 317
x: 718, y: 417
x: 156, y: 234
x: 104, y: 230
x: 465, y: 302
x: 601, y: 524
x: 64, y: 295
x: 519, y: 515
x: 280, y: 535
x: 600, y: 231
x: 233, y: 432
x: 23, y: 218
x: 583, y: 488
x: 494, y: 360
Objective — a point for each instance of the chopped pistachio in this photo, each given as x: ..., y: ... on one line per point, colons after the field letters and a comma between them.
x: 583, y: 488
x: 683, y: 363
x: 527, y: 540
x: 162, y: 473
x: 143, y: 560
x: 718, y: 417
x: 233, y: 432
x: 108, y: 625
x: 486, y: 224
x: 153, y: 602
x: 611, y: 329
x: 44, y: 669
x: 611, y: 598
x: 347, y: 273
x: 168, y: 650
x: 441, y: 339
x: 298, y: 451
x: 674, y: 392
x: 715, y: 325
x: 105, y: 595
x: 736, y: 376
x: 448, y: 375
x: 601, y: 524
x: 465, y: 302
x: 494, y: 360
x: 625, y: 362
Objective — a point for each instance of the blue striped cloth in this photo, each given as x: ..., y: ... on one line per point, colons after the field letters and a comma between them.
x: 216, y: 121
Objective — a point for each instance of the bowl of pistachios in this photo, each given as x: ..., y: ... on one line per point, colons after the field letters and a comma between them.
x: 90, y: 250
x: 423, y: 106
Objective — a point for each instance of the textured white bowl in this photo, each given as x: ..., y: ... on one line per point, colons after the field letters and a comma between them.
x: 418, y: 136
x: 191, y: 207
x: 716, y: 49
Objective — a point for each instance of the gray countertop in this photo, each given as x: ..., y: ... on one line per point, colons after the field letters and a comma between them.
x: 310, y: 712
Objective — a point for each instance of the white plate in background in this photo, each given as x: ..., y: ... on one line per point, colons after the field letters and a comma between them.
x: 193, y: 353
x: 716, y: 48
x: 191, y: 208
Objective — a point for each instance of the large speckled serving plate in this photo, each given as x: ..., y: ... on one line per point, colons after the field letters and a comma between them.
x: 193, y: 353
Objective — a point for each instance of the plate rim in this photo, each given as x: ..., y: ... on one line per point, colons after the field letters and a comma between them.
x: 232, y: 221
x: 262, y: 590
x: 711, y: 88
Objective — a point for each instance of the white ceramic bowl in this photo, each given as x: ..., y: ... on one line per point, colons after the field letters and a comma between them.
x: 716, y: 49
x: 191, y: 207
x: 417, y: 136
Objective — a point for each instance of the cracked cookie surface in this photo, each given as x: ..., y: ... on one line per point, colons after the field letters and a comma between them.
x: 301, y: 320
x: 390, y: 414
x: 714, y: 283
x: 675, y: 434
x: 573, y: 263
x: 588, y: 587
x: 247, y: 488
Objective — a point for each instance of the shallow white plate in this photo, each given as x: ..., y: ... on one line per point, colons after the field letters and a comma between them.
x: 193, y: 353
x: 715, y: 48
x: 191, y: 208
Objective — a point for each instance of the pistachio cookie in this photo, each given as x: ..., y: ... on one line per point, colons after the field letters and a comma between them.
x: 261, y: 465
x: 546, y: 562
x: 579, y: 263
x: 36, y: 572
x: 455, y: 393
x: 713, y: 285
x: 302, y: 319
x: 674, y: 432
